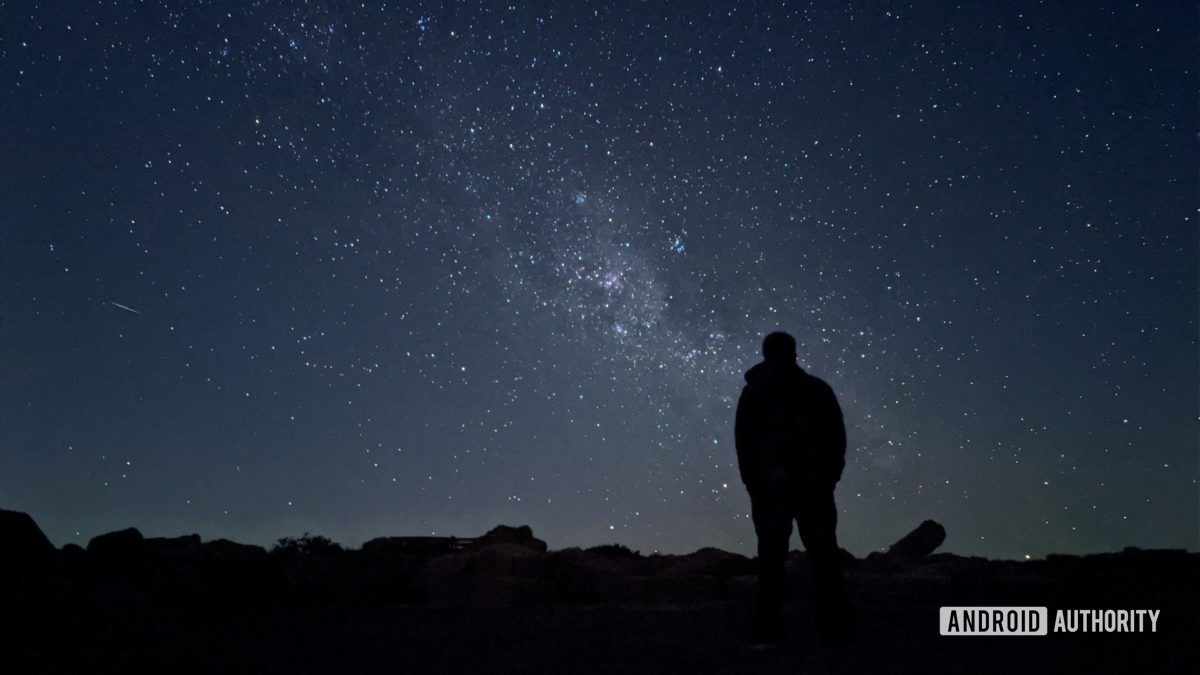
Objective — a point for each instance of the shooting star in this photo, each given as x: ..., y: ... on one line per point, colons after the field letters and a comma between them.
x: 127, y: 308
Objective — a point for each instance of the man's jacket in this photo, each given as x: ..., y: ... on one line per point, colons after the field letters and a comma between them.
x: 789, y: 429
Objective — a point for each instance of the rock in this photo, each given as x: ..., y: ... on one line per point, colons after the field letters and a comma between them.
x: 120, y: 543
x: 73, y: 551
x: 512, y: 571
x: 564, y: 561
x: 223, y: 549
x: 22, y: 542
x: 404, y: 546
x: 506, y: 560
x: 919, y: 543
x: 119, y: 559
x: 613, y: 551
x: 582, y: 576
x: 712, y: 561
x: 439, y: 570
x: 504, y: 534
x: 161, y: 559
x: 172, y: 544
x: 175, y: 550
x: 387, y: 576
x: 222, y: 570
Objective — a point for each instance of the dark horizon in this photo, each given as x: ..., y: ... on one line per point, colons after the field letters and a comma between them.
x: 272, y: 543
x: 371, y: 270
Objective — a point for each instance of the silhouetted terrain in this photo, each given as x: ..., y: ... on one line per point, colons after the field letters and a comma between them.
x: 504, y: 603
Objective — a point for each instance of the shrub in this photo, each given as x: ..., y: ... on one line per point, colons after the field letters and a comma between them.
x: 306, y: 545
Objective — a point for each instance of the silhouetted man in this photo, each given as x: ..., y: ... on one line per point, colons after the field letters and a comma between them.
x: 791, y: 448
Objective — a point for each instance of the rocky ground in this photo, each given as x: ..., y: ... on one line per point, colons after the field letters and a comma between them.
x: 505, y: 603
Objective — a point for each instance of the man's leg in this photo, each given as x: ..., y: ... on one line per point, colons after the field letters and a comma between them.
x: 773, y: 525
x: 816, y: 519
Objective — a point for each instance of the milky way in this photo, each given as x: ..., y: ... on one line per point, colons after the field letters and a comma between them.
x: 401, y: 268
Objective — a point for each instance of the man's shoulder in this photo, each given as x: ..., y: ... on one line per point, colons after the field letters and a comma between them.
x: 816, y: 382
x: 761, y: 380
x: 818, y: 387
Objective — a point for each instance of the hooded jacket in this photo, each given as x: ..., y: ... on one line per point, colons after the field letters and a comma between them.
x: 789, y: 429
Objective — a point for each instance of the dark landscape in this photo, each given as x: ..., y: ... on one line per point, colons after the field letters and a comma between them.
x: 504, y: 602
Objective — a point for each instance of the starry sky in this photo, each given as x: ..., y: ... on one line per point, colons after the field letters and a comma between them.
x: 382, y: 268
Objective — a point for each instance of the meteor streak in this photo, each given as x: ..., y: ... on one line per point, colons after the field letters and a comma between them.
x: 127, y: 308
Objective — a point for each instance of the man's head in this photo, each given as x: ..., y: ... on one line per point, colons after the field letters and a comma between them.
x: 779, y: 346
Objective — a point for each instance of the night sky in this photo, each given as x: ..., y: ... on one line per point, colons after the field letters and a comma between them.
x: 367, y: 269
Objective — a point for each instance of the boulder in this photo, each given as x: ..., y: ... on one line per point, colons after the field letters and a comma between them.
x: 22, y: 542
x: 506, y: 559
x: 223, y: 549
x: 504, y: 534
x: 407, y: 546
x: 174, y: 551
x: 502, y: 574
x: 121, y: 543
x: 119, y: 558
x: 439, y: 570
x: 583, y: 576
x: 73, y: 551
x: 711, y: 561
x: 222, y: 570
x: 72, y: 562
x: 387, y: 576
x: 613, y: 551
x: 919, y: 543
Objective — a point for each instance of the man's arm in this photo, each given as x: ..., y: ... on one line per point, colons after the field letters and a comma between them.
x: 742, y: 438
x: 835, y: 441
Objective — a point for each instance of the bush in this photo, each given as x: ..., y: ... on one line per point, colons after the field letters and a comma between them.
x: 306, y: 545
x: 613, y: 551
